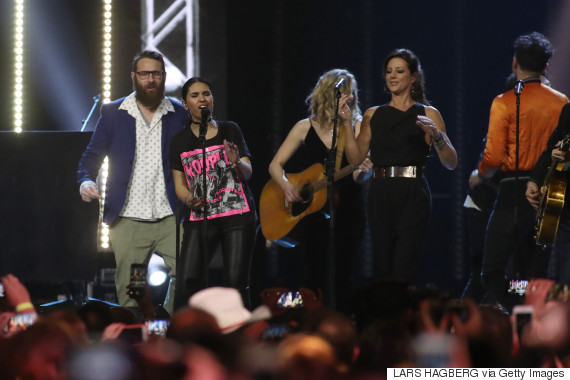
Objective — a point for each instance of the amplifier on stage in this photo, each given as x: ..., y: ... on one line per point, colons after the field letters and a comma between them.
x: 107, y: 276
x: 103, y: 288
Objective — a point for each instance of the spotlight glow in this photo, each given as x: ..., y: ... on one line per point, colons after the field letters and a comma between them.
x: 157, y: 271
x: 18, y: 64
x: 157, y: 278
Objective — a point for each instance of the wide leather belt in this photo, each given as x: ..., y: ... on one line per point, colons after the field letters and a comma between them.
x: 397, y: 171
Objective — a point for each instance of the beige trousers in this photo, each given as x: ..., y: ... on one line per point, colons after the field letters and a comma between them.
x: 134, y: 242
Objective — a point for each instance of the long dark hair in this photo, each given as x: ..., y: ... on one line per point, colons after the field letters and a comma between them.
x: 418, y: 89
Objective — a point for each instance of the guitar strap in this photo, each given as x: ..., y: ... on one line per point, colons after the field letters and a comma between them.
x: 339, y: 148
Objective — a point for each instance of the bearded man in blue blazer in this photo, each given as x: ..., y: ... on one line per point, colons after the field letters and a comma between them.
x: 134, y: 132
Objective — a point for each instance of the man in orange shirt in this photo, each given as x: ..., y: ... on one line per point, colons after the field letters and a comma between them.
x: 539, y: 109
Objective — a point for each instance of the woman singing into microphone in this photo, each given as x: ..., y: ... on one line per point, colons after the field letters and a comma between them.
x: 231, y: 218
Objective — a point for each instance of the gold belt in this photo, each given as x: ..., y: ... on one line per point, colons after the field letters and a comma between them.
x: 397, y: 171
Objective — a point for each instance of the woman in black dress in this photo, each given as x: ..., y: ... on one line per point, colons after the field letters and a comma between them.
x: 399, y: 136
x: 231, y: 217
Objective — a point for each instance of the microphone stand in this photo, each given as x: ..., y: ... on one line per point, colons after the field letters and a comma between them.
x: 96, y: 99
x: 329, y: 173
x: 202, y: 137
x: 518, y: 89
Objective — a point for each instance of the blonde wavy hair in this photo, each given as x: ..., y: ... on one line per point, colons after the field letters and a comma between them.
x: 322, y: 99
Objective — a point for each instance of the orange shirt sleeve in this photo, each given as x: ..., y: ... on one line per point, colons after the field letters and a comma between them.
x: 496, y: 146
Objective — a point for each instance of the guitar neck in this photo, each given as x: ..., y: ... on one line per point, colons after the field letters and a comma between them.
x: 551, y: 170
x: 318, y: 185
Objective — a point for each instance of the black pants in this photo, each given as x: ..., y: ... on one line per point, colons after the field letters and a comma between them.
x: 310, y: 262
x: 398, y: 214
x: 236, y: 243
x: 511, y: 241
x: 476, y: 228
x: 559, y: 267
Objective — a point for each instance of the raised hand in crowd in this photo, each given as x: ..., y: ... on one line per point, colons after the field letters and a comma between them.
x: 112, y: 331
x: 536, y: 296
x: 16, y: 294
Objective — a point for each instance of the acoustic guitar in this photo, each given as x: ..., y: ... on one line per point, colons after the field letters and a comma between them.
x: 552, y: 200
x: 278, y: 216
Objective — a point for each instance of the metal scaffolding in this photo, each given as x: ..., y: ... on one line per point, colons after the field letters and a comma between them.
x: 168, y: 34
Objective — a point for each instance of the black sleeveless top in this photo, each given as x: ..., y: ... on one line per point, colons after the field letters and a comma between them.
x: 313, y: 150
x: 396, y: 138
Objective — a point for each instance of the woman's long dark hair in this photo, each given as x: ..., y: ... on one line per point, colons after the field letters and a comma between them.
x: 418, y: 89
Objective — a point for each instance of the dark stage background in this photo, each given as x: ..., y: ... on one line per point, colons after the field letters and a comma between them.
x: 263, y: 58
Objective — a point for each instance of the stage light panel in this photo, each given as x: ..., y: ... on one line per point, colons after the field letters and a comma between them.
x: 104, y: 239
x: 107, y: 44
x: 18, y: 94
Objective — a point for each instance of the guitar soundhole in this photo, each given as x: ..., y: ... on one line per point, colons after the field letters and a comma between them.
x: 307, y: 195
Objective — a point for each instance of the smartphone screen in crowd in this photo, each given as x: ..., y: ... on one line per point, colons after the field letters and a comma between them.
x: 522, y: 316
x: 138, y: 280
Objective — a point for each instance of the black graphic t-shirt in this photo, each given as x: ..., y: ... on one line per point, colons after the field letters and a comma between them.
x: 229, y: 198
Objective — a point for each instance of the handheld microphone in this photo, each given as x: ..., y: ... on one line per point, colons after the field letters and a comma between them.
x: 519, y: 87
x: 205, y: 111
x: 339, y: 83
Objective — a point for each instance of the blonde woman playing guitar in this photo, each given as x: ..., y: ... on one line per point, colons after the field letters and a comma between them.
x: 307, y: 144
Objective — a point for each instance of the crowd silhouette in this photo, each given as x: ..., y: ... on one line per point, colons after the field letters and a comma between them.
x: 391, y: 324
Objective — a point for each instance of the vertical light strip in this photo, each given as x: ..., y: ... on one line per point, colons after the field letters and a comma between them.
x: 103, y: 228
x: 103, y: 173
x: 18, y: 65
x: 107, y: 13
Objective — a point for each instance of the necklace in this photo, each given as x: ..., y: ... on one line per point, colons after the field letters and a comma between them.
x: 199, y: 122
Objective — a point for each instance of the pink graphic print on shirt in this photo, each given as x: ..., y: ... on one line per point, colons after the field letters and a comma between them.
x: 225, y: 194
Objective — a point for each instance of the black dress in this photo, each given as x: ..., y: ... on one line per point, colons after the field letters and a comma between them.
x: 398, y: 208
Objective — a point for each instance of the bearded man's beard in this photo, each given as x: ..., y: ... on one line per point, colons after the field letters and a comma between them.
x: 149, y: 99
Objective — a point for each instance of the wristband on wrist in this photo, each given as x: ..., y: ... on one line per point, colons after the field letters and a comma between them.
x: 439, y: 142
x: 24, y: 306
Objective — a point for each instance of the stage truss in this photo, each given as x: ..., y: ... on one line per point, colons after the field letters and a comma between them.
x: 170, y: 27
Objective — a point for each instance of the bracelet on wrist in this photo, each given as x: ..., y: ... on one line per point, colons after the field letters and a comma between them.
x: 439, y: 141
x: 234, y: 165
x: 24, y: 306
